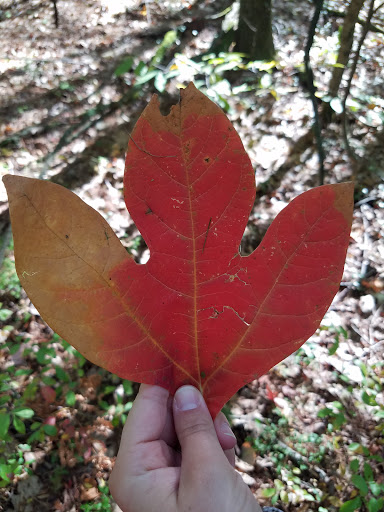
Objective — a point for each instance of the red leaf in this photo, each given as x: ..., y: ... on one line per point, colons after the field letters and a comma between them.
x: 48, y: 393
x: 197, y: 312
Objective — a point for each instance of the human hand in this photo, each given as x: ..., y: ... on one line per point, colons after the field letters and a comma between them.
x: 174, y: 458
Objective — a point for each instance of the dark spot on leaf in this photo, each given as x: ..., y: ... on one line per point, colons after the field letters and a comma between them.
x: 206, y: 159
x: 148, y: 212
x: 66, y: 236
x: 202, y: 375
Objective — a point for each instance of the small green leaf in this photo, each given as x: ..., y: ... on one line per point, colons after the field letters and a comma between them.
x: 356, y: 447
x: 127, y: 386
x: 375, y: 505
x: 22, y: 371
x: 14, y: 348
x: 5, y: 420
x: 61, y: 374
x: 70, y: 398
x: 4, y: 471
x: 368, y: 399
x: 124, y: 66
x: 354, y: 465
x: 368, y: 473
x: 268, y: 493
x: 375, y: 488
x: 50, y: 430
x: 19, y: 425
x: 359, y: 482
x: 339, y: 420
x: 4, y: 399
x: 351, y: 505
x: 332, y: 350
x: 323, y: 413
x: 5, y: 314
x: 24, y: 412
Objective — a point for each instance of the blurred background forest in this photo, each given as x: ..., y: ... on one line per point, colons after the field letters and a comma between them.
x: 302, y: 81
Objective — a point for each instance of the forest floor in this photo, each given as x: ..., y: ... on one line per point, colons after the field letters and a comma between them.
x: 310, y: 432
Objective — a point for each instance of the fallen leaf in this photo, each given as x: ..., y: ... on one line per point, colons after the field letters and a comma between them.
x: 197, y: 312
x: 48, y: 393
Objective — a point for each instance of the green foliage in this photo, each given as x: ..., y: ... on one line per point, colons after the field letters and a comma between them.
x: 124, y: 66
x: 13, y: 463
x: 21, y: 388
x: 335, y: 414
x: 363, y: 478
x: 289, y: 464
x: 103, y: 504
x: 9, y: 281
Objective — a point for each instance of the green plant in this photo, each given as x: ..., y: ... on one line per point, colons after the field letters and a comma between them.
x: 335, y: 414
x: 103, y: 503
x: 289, y: 464
x: 13, y: 464
x: 367, y: 490
x: 9, y: 281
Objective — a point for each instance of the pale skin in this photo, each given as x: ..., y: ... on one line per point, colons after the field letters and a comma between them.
x: 174, y: 458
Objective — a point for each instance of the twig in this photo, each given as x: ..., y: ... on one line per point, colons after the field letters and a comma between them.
x: 149, y: 18
x: 312, y: 90
x: 377, y: 9
x: 56, y: 13
x: 298, y: 148
x: 87, y: 121
x: 372, y: 26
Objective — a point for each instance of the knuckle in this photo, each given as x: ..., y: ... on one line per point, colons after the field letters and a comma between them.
x: 194, y: 428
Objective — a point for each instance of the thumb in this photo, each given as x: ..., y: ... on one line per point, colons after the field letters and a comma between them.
x: 200, y: 447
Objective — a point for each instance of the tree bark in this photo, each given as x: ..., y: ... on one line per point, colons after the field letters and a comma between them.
x: 254, y: 33
x: 346, y: 42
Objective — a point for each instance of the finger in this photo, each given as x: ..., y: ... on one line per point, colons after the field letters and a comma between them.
x: 230, y: 454
x: 169, y: 434
x: 200, y: 447
x: 147, y: 418
x: 226, y: 437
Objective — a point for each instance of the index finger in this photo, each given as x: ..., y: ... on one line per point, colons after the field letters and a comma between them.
x: 147, y: 418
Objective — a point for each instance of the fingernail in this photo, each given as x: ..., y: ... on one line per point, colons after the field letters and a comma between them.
x: 226, y: 429
x: 187, y: 398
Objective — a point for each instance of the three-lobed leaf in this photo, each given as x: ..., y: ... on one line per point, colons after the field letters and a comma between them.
x: 198, y: 312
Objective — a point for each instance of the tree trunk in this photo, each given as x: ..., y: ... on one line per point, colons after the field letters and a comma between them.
x: 254, y: 33
x: 346, y: 42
